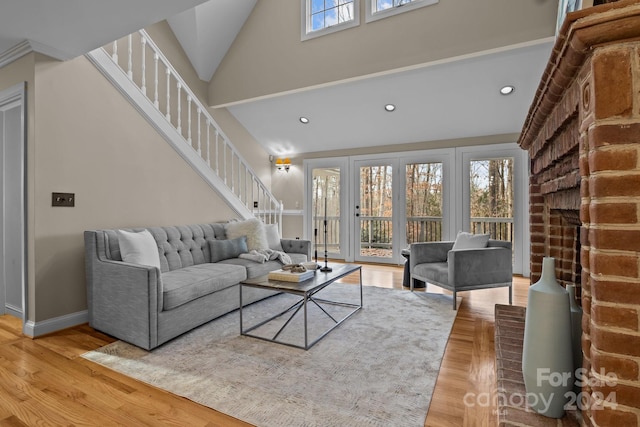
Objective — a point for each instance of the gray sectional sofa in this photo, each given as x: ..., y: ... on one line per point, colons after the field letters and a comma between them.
x: 147, y: 306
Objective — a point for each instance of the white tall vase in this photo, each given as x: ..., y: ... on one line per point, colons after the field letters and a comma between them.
x: 576, y: 332
x: 547, y: 357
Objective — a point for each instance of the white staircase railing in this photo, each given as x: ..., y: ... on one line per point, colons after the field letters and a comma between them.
x: 145, y: 76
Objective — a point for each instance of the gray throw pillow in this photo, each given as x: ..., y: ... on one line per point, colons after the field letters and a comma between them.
x: 466, y: 240
x: 227, y: 248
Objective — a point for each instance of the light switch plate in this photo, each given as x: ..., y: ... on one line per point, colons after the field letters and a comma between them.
x: 63, y: 199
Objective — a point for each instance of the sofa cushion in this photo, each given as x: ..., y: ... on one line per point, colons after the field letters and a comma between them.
x: 182, y: 246
x: 186, y: 284
x: 138, y: 248
x: 255, y: 269
x: 227, y: 248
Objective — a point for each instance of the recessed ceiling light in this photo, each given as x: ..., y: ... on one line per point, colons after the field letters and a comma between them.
x: 389, y: 107
x: 304, y: 120
x: 507, y: 90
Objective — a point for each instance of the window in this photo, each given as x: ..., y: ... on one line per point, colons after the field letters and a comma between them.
x: 378, y: 9
x: 320, y: 17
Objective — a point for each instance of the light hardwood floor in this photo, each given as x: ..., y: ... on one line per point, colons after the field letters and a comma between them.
x: 44, y: 381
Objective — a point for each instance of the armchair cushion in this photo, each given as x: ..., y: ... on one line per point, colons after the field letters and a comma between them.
x: 433, y: 272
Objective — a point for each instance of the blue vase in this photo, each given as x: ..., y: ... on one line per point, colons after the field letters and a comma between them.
x: 547, y: 354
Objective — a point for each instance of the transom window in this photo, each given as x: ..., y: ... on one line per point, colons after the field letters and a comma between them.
x: 380, y: 5
x: 327, y: 13
x: 322, y: 17
x: 378, y: 9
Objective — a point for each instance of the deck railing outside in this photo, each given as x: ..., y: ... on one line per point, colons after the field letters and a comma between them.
x: 377, y: 233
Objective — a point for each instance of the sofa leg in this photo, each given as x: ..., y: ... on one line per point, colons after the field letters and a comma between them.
x: 511, y: 294
x: 455, y: 300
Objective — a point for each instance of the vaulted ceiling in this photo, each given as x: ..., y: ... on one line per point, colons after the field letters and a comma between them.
x: 64, y: 29
x: 456, y: 97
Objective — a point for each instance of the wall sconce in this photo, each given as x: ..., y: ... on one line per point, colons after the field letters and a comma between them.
x: 283, y: 164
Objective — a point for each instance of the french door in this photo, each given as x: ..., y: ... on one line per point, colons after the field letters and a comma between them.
x: 373, y: 216
x: 400, y: 201
x: 377, y: 205
x: 324, y: 207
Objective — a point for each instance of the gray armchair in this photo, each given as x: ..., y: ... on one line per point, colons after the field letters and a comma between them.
x: 462, y: 270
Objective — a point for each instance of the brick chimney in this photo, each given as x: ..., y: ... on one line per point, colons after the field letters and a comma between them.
x: 583, y: 138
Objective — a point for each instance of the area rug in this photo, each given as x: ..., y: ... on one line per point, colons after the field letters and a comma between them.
x: 378, y: 368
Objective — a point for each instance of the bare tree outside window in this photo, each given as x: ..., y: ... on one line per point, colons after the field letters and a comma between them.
x: 491, y: 197
x: 327, y: 13
x: 424, y: 202
x: 388, y: 4
x: 376, y: 211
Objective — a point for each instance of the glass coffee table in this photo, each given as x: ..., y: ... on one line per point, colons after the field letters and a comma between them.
x: 307, y: 291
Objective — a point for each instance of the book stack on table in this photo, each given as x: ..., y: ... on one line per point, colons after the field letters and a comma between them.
x: 288, y: 276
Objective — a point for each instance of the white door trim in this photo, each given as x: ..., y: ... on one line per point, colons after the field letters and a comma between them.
x: 10, y: 98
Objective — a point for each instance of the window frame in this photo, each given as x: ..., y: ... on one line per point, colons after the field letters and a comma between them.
x: 372, y: 16
x: 306, y: 34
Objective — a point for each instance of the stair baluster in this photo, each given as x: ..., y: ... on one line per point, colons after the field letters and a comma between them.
x: 252, y: 198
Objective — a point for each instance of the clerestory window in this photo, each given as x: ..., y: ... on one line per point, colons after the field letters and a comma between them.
x: 320, y: 17
x: 378, y: 9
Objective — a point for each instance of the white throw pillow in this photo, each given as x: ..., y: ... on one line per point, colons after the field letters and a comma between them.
x: 138, y: 248
x: 273, y: 237
x: 466, y: 240
x: 252, y: 228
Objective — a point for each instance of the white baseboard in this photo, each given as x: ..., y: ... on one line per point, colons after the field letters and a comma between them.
x: 13, y: 311
x: 36, y: 329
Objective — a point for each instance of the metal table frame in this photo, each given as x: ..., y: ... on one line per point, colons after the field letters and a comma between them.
x: 306, y: 290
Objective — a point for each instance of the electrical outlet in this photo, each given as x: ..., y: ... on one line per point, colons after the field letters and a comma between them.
x: 63, y: 199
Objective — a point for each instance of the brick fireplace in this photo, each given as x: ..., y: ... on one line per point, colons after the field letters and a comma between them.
x: 583, y: 138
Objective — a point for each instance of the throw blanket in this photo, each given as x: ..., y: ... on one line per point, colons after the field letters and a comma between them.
x: 264, y: 255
